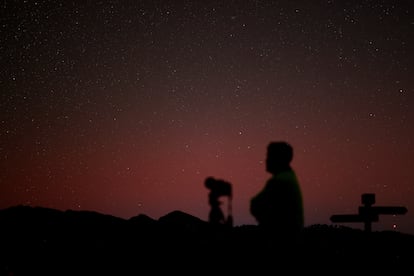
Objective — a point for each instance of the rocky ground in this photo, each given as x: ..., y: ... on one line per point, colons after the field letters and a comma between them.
x: 41, y: 241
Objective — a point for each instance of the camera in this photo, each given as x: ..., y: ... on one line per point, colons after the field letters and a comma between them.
x: 218, y: 187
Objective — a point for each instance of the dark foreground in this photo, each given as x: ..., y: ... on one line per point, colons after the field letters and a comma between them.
x: 41, y: 241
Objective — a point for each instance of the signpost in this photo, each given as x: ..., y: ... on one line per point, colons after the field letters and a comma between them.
x: 368, y: 213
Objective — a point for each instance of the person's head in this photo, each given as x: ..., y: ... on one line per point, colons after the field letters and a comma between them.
x: 279, y: 156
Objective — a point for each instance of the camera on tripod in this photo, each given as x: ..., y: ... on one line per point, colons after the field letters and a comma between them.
x: 217, y: 189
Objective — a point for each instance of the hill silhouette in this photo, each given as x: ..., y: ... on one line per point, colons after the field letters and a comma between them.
x: 44, y: 241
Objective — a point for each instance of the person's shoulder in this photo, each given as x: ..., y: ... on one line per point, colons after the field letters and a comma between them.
x: 286, y: 176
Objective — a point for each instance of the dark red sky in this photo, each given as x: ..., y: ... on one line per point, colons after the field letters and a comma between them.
x: 125, y: 107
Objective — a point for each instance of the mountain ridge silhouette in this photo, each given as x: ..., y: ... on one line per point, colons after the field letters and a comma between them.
x: 49, y: 241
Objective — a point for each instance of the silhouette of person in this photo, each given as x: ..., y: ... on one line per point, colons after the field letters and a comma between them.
x: 278, y: 207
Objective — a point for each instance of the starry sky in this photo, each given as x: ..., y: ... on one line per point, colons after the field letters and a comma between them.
x: 126, y: 107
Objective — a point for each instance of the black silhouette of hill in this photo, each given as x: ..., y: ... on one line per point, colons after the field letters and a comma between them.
x: 44, y: 241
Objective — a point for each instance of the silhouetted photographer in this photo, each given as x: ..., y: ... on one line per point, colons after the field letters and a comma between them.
x: 278, y: 207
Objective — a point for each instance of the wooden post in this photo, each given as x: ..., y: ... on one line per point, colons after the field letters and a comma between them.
x: 368, y: 214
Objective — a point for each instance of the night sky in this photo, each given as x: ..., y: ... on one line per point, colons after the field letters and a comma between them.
x: 126, y: 107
